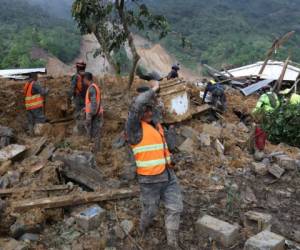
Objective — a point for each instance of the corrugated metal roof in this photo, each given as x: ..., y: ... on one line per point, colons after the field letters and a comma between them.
x: 17, y: 73
x: 272, y: 71
x: 255, y: 87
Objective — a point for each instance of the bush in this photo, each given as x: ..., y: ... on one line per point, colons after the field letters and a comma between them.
x: 283, y: 125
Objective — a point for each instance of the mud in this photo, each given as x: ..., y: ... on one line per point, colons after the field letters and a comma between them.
x: 220, y: 185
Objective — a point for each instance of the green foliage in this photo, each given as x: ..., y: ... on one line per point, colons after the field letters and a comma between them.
x: 283, y: 125
x: 229, y: 32
x: 22, y: 29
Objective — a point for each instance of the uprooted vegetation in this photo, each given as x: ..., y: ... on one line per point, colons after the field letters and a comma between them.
x: 217, y: 174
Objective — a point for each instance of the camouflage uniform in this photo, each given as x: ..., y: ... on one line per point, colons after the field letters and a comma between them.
x: 94, y: 120
x: 36, y: 116
x: 163, y: 187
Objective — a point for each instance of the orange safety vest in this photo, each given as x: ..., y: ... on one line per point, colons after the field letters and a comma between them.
x: 151, y: 154
x: 79, y: 86
x: 32, y: 101
x: 88, y: 100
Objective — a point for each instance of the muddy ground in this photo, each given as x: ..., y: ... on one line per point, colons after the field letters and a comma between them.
x: 219, y: 184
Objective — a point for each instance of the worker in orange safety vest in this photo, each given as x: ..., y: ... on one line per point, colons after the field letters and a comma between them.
x: 34, y: 96
x: 151, y: 146
x: 93, y: 110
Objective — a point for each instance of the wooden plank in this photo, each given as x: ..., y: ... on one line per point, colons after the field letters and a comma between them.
x: 10, y: 191
x: 73, y: 200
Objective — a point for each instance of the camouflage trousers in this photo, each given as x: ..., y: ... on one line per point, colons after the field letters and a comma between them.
x: 169, y: 193
x: 35, y: 116
x: 93, y: 128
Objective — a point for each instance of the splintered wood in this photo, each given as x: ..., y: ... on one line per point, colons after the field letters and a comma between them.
x: 72, y: 200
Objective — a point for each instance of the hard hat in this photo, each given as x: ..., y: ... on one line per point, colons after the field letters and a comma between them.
x: 212, y: 81
x: 142, y: 89
x: 176, y: 67
x: 285, y: 91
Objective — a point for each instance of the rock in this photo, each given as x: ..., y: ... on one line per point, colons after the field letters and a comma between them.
x: 11, y: 151
x: 297, y: 235
x: 5, y: 166
x: 248, y: 196
x: 75, y: 158
x: 258, y: 155
x: 221, y: 231
x: 189, y: 132
x: 6, y: 135
x: 42, y: 129
x: 259, y: 168
x: 276, y: 170
x: 2, y: 205
x: 30, y: 237
x: 9, y: 179
x: 212, y: 130
x: 70, y: 222
x: 242, y: 127
x: 187, y: 146
x: 265, y: 240
x: 286, y: 162
x: 204, y: 139
x: 258, y: 221
x: 12, y: 244
x: 90, y: 218
x: 127, y: 226
x: 219, y: 147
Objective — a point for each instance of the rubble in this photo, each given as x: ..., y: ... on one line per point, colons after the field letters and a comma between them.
x: 259, y: 168
x: 275, y: 170
x: 4, y: 167
x: 258, y: 221
x: 90, y: 218
x: 6, y: 136
x: 10, y: 152
x: 187, y: 146
x: 265, y: 240
x: 12, y: 244
x: 218, y: 230
x: 286, y: 162
x: 213, y: 131
x: 189, y: 132
x: 204, y: 139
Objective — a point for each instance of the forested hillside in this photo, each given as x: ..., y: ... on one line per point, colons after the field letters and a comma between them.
x: 24, y: 27
x: 230, y: 31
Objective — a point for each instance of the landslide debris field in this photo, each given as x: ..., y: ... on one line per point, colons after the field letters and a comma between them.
x: 218, y: 176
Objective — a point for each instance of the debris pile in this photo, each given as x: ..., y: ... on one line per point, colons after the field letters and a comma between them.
x: 54, y: 193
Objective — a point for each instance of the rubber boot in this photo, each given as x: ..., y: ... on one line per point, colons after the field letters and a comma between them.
x: 172, y: 239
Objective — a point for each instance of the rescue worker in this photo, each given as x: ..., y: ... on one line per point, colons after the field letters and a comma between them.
x: 267, y: 102
x: 174, y: 72
x: 295, y: 99
x: 93, y: 110
x: 78, y: 89
x: 217, y: 93
x: 151, y: 148
x: 34, y: 102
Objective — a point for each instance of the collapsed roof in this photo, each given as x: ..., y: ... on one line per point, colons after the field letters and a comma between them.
x: 20, y: 74
x: 272, y: 71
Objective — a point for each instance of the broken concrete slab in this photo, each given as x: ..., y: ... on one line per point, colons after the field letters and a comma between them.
x: 286, y: 162
x: 80, y: 167
x: 276, y: 170
x: 258, y: 221
x: 187, y: 146
x: 189, y: 132
x: 204, y: 139
x: 265, y: 240
x: 213, y: 130
x: 90, y: 218
x: 11, y: 151
x: 219, y: 230
x: 259, y: 168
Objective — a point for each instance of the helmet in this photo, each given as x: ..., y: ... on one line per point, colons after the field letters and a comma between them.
x: 81, y: 65
x: 142, y: 89
x: 212, y: 81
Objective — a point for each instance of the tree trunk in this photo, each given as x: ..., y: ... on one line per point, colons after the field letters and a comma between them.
x: 107, y: 54
x: 135, y: 56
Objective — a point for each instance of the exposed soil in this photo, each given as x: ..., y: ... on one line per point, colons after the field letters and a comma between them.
x: 220, y: 185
